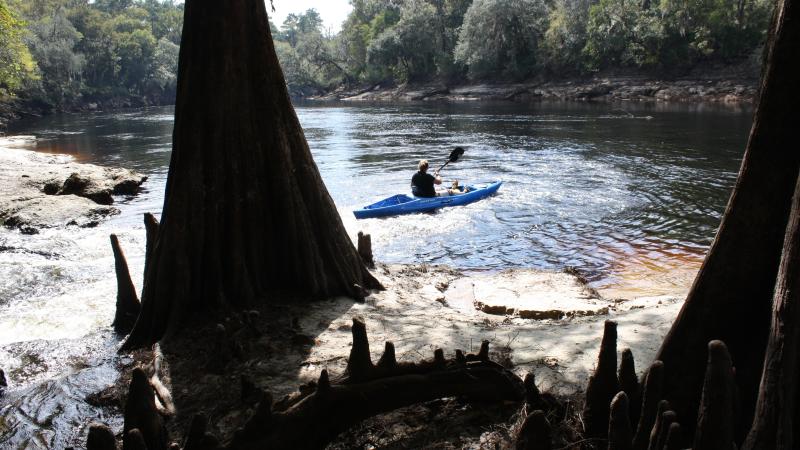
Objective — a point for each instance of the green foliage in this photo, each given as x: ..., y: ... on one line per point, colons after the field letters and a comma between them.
x: 52, y: 40
x: 62, y: 52
x: 500, y: 38
x: 416, y: 40
x: 411, y: 45
x: 673, y: 34
x: 308, y: 58
x: 68, y: 50
x: 16, y: 62
x: 621, y: 34
x: 565, y: 37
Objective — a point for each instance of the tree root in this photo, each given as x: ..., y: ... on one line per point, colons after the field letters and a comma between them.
x: 368, y: 390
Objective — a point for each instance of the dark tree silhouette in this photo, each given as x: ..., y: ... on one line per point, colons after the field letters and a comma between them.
x: 731, y: 298
x: 246, y: 213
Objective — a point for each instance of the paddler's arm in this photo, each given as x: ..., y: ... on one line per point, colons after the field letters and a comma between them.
x: 436, y: 178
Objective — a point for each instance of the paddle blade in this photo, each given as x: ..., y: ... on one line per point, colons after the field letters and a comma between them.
x: 455, y: 154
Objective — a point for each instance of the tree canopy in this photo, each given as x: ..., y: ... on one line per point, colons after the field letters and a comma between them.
x: 16, y: 62
x: 398, y: 41
x: 62, y: 52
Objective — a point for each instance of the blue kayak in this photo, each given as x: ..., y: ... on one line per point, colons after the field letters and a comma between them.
x: 405, y: 204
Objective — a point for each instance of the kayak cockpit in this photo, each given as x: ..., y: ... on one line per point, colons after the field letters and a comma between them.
x: 391, y: 201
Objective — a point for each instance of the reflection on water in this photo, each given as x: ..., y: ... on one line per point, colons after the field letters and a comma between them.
x: 631, y: 197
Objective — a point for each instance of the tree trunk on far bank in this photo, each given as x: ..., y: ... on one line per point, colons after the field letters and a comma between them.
x: 731, y: 299
x: 246, y: 213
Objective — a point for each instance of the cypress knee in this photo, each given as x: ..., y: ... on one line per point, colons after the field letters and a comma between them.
x: 620, y: 435
x: 127, y: 301
x: 651, y: 396
x: 603, y: 385
x: 535, y: 433
x: 715, y: 418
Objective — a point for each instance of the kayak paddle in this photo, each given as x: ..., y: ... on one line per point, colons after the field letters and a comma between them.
x: 454, y: 155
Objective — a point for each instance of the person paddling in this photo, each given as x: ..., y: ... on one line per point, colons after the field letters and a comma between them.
x: 422, y: 183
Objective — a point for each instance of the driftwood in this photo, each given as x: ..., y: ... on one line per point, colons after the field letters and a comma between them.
x: 651, y: 395
x: 165, y: 404
x: 366, y: 390
x: 603, y: 385
x: 127, y: 302
x: 365, y: 249
x: 535, y: 433
x: 715, y: 419
x: 100, y: 438
x: 620, y: 434
x: 141, y: 413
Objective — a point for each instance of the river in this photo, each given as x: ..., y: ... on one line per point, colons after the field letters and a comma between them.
x: 629, y: 196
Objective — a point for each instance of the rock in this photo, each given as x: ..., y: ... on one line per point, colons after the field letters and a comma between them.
x: 31, y: 213
x: 127, y: 186
x: 56, y: 191
x: 492, y: 309
x: 530, y: 294
x: 594, y: 91
x: 82, y: 186
x: 541, y: 315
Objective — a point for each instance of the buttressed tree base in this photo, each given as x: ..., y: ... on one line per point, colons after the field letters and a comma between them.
x: 246, y: 213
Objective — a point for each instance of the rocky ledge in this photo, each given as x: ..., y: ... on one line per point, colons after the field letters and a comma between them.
x: 596, y: 89
x: 42, y: 191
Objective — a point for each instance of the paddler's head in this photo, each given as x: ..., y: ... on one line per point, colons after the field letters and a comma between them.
x: 423, y: 165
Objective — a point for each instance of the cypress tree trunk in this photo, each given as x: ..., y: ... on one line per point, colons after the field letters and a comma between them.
x: 731, y: 299
x: 775, y: 425
x: 246, y: 213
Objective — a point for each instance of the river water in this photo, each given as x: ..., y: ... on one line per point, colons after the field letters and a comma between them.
x: 629, y: 196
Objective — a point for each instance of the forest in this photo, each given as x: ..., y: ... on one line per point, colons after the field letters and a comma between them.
x: 63, y: 54
x: 399, y: 41
x: 59, y: 54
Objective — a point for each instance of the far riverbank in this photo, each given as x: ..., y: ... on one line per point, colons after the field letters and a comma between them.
x: 609, y: 89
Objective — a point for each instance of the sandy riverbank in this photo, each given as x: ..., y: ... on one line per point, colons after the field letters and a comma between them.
x: 551, y: 326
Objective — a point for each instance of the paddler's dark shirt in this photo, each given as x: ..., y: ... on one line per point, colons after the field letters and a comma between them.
x: 422, y: 185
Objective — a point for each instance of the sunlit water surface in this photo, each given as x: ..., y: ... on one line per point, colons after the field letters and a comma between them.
x: 630, y: 197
